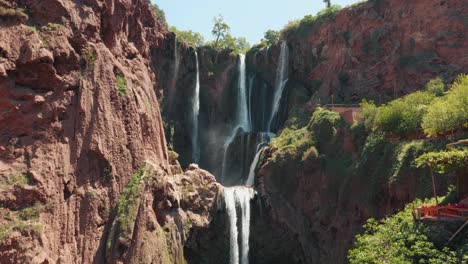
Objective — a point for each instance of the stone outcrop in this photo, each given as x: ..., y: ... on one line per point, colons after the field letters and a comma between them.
x: 79, y: 114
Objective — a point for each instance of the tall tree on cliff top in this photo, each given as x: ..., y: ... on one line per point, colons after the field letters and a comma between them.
x: 328, y: 2
x: 220, y: 30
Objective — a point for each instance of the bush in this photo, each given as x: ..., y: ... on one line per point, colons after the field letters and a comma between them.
x: 399, y: 117
x: 121, y: 85
x: 399, y: 239
x: 435, y: 86
x: 449, y: 112
x: 307, y: 21
x: 14, y: 13
x: 324, y: 123
x: 271, y: 37
x: 189, y: 37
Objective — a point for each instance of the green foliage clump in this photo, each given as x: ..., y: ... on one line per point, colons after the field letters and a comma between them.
x: 159, y: 15
x: 450, y: 112
x: 23, y: 220
x: 224, y: 40
x: 292, y: 143
x: 20, y: 179
x: 399, y: 239
x: 436, y: 86
x: 404, y: 115
x: 128, y: 204
x: 324, y: 123
x: 444, y: 161
x: 428, y: 111
x: 189, y: 37
x: 121, y: 85
x: 17, y: 13
x: 91, y: 57
x: 400, y: 117
x: 271, y: 37
x: 300, y: 26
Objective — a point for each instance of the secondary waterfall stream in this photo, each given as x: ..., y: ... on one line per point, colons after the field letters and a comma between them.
x: 280, y: 81
x: 195, y: 114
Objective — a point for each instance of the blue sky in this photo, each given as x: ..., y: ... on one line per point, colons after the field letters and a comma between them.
x: 247, y: 18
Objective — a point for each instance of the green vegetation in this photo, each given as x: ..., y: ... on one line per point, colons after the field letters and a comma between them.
x: 301, y: 26
x: 91, y: 57
x: 271, y: 37
x: 20, y: 179
x: 423, y: 111
x: 224, y: 40
x: 399, y: 239
x: 17, y: 13
x: 444, y: 161
x: 450, y: 112
x: 121, y: 85
x: 159, y: 15
x: 127, y: 208
x: 23, y: 220
x: 189, y: 37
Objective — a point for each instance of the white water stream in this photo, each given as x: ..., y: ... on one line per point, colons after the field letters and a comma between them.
x: 238, y: 199
x: 195, y: 114
x: 280, y: 81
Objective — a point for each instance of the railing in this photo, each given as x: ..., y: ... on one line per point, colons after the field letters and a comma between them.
x: 342, y: 105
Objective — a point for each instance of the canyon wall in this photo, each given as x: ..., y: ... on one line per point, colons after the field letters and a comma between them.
x: 79, y: 116
x: 377, y: 50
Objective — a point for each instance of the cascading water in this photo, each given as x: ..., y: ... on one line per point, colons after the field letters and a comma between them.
x: 238, y: 198
x: 175, y: 73
x: 280, y: 81
x: 195, y: 114
x: 263, y: 139
x: 242, y: 107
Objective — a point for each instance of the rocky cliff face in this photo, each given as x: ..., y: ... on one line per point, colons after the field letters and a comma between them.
x: 378, y: 50
x: 79, y: 115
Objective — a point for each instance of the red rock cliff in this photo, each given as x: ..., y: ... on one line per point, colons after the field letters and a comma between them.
x: 78, y: 116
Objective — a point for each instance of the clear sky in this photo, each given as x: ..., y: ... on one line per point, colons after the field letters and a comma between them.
x: 247, y: 18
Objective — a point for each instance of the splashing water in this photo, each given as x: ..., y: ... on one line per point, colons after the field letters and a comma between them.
x: 242, y: 107
x: 238, y: 198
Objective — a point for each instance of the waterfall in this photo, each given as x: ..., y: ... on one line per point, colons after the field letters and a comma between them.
x: 195, y: 114
x: 262, y: 142
x: 242, y: 115
x: 238, y: 198
x: 176, y: 70
x: 225, y: 151
x: 280, y: 81
x: 251, y: 79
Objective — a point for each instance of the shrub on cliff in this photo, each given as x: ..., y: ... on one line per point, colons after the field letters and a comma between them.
x: 301, y: 26
x: 449, y: 112
x: 399, y: 239
x: 189, y: 37
x: 324, y: 123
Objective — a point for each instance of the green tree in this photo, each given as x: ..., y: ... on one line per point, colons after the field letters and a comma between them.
x: 220, y: 30
x: 193, y: 39
x: 242, y: 45
x: 271, y: 36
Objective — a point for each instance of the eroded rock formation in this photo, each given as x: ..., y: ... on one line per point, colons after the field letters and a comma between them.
x: 79, y: 114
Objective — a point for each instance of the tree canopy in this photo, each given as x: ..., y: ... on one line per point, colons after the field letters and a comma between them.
x: 190, y: 37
